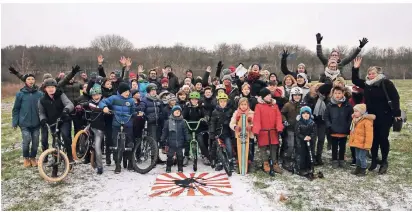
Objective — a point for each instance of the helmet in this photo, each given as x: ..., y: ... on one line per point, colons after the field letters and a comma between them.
x: 194, y: 95
x: 96, y: 89
x: 222, y: 96
x: 50, y: 82
x: 151, y: 87
x: 296, y: 91
x: 220, y: 86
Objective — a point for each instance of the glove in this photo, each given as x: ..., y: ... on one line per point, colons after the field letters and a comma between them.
x: 363, y: 42
x: 65, y: 112
x: 285, y: 123
x: 12, y: 70
x: 75, y: 69
x: 219, y: 65
x: 238, y: 129
x: 78, y: 108
x: 319, y: 38
x: 249, y: 119
x: 285, y: 54
x: 43, y: 122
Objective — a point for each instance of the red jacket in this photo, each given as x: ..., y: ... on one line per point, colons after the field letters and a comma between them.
x: 267, y: 117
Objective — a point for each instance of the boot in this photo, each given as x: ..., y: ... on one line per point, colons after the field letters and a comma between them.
x: 219, y: 167
x: 180, y: 165
x: 26, y: 162
x: 335, y: 164
x: 318, y: 160
x: 124, y: 161
x: 168, y: 169
x: 186, y: 161
x: 33, y: 162
x: 373, y: 165
x: 353, y: 162
x: 356, y: 171
x: 108, y: 160
x: 206, y: 161
x: 130, y: 165
x: 251, y: 168
x: 118, y: 169
x: 277, y: 168
x: 100, y: 170
x: 266, y: 167
x: 213, y: 164
x: 362, y: 172
x: 342, y: 164
x: 384, y: 168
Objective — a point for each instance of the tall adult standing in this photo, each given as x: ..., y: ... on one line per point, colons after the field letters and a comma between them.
x: 378, y: 104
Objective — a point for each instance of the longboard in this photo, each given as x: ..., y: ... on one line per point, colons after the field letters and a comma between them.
x: 243, y: 144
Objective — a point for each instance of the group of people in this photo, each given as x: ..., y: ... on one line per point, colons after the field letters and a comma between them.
x: 283, y: 115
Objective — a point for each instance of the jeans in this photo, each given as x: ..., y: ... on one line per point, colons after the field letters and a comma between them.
x: 98, y: 141
x: 341, y: 144
x: 65, y: 130
x: 120, y: 145
x: 321, y: 133
x: 30, y: 134
x: 44, y: 138
x: 228, y: 143
x: 361, y: 157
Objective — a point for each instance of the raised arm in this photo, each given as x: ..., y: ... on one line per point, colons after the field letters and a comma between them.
x: 70, y: 76
x: 219, y: 69
x: 283, y: 64
x: 127, y: 69
x: 100, y: 69
x: 349, y: 59
x: 355, y: 73
x: 205, y: 79
x: 319, y: 51
x: 18, y: 75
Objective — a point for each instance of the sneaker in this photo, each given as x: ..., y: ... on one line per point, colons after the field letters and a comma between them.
x: 26, y: 162
x: 335, y: 164
x: 185, y: 161
x: 384, y: 168
x: 219, y: 167
x: 118, y: 169
x: 100, y: 170
x: 362, y: 172
x: 353, y: 162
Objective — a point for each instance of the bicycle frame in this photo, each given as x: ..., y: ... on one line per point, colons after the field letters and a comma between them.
x: 56, y: 143
x: 193, y: 130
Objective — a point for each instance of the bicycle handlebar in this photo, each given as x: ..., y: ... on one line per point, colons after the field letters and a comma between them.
x: 194, y: 122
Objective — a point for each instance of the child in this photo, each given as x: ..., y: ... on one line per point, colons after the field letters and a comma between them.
x: 338, y: 119
x: 356, y: 98
x: 305, y: 132
x: 289, y: 113
x: 165, y: 85
x: 288, y: 82
x: 361, y: 136
x: 182, y: 99
x: 151, y: 107
x: 246, y: 93
x: 243, y: 108
x: 194, y: 112
x: 219, y: 126
x: 123, y: 107
x: 267, y: 116
x: 176, y: 137
x: 26, y: 116
x: 97, y: 125
x: 167, y: 109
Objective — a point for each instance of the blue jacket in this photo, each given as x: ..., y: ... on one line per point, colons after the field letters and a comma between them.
x: 142, y: 88
x: 123, y: 109
x: 177, y: 136
x: 25, y: 109
x: 152, y: 110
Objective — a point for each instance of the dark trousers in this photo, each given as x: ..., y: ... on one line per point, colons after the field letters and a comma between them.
x: 108, y: 133
x: 118, y: 155
x: 65, y: 130
x: 321, y: 133
x: 78, y: 123
x: 179, y: 156
x: 338, y: 148
x: 44, y: 137
x: 353, y: 151
x: 380, y: 139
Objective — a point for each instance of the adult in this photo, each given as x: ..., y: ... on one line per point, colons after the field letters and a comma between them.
x: 335, y: 54
x: 253, y: 79
x: 284, y: 67
x: 374, y: 87
x: 153, y: 78
x: 173, y: 80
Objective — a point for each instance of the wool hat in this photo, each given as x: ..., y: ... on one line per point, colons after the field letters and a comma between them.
x: 197, y: 80
x: 264, y: 92
x: 132, y: 75
x: 185, y: 86
x: 304, y: 76
x: 302, y: 64
x: 49, y: 82
x: 96, y: 89
x: 226, y: 71
x: 134, y: 92
x: 260, y: 67
x: 176, y: 107
x: 123, y: 87
x: 305, y: 109
x: 361, y: 108
x: 93, y: 75
x: 117, y: 73
x: 47, y: 76
x: 232, y: 69
x: 227, y: 77
x: 171, y: 97
x: 27, y: 76
x: 164, y: 80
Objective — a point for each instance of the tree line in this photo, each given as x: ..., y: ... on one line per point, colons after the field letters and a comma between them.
x: 396, y: 63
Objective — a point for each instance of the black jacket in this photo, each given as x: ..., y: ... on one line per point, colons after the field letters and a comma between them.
x: 256, y: 86
x: 173, y: 83
x: 209, y: 104
x: 191, y: 113
x: 97, y: 117
x: 252, y: 101
x: 178, y: 138
x: 221, y: 118
x: 52, y: 109
x: 285, y: 70
x: 338, y: 118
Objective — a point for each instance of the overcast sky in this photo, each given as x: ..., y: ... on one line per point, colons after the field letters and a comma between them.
x: 206, y: 25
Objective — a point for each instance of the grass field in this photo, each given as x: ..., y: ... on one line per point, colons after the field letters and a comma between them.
x: 23, y: 189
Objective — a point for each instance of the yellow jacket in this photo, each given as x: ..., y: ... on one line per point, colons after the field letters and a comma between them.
x: 362, y: 135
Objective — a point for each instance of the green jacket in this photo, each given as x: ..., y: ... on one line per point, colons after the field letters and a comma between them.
x: 25, y: 110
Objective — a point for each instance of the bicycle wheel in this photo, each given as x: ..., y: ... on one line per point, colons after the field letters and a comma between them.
x: 80, y: 145
x: 145, y: 155
x: 64, y: 165
x: 225, y: 161
x: 194, y: 151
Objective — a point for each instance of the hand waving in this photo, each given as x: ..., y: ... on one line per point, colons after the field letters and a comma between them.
x: 363, y: 42
x: 357, y: 62
x: 319, y: 38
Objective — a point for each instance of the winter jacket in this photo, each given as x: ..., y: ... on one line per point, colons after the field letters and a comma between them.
x: 256, y: 86
x: 289, y: 113
x: 178, y: 138
x: 209, y: 105
x: 25, y: 110
x: 152, y: 110
x: 267, y: 116
x: 376, y: 101
x: 72, y: 90
x: 285, y: 70
x: 252, y: 101
x: 123, y: 109
x: 191, y: 113
x: 301, y: 153
x: 342, y: 62
x: 361, y: 136
x: 51, y: 109
x: 96, y: 116
x: 219, y: 124
x: 173, y: 82
x: 303, y: 129
x: 234, y: 122
x: 338, y: 118
x: 166, y: 112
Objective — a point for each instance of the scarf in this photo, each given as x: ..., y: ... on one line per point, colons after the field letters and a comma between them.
x: 228, y: 89
x: 253, y: 76
x: 335, y: 101
x: 172, y: 122
x: 331, y: 74
x: 240, y: 112
x: 153, y: 98
x: 320, y: 106
x: 375, y: 81
x: 355, y: 121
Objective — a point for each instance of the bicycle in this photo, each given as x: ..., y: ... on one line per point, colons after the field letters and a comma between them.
x: 194, y: 145
x: 120, y: 139
x: 59, y: 157
x: 85, y: 139
x: 146, y: 148
x: 222, y: 154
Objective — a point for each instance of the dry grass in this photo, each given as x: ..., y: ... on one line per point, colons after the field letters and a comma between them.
x: 10, y: 89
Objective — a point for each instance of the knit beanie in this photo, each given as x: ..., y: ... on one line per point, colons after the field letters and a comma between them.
x: 227, y: 77
x: 47, y: 76
x: 304, y: 76
x: 164, y: 80
x: 305, y: 109
x: 123, y: 87
x: 301, y: 64
x: 197, y: 80
x: 361, y: 108
x: 264, y: 92
x: 176, y: 107
x: 27, y: 76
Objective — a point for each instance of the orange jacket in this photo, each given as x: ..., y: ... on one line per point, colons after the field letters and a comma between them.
x: 362, y: 135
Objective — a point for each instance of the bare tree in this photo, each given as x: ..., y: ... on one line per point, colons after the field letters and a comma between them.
x: 111, y: 42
